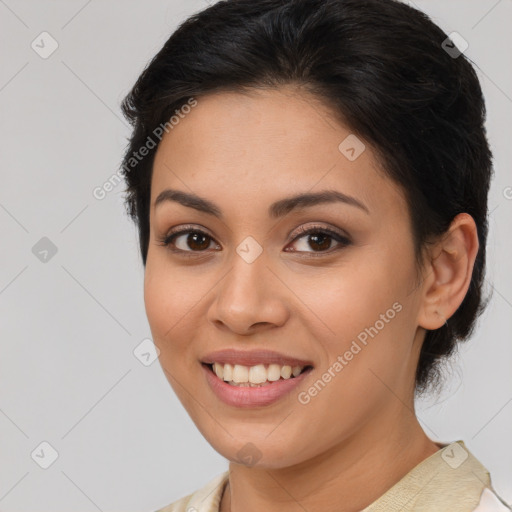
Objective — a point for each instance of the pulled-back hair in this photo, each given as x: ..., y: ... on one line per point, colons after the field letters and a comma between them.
x: 383, y: 69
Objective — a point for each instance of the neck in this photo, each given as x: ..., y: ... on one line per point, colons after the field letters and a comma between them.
x: 345, y: 478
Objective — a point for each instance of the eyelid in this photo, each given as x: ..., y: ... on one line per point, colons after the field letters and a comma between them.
x: 187, y: 227
x: 306, y: 229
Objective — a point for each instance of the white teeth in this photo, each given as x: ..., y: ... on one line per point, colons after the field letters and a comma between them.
x: 258, y: 375
x: 219, y: 370
x: 296, y: 370
x: 286, y: 372
x: 227, y: 373
x: 274, y: 372
x: 240, y: 373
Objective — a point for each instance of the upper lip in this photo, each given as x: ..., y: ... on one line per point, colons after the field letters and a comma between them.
x: 252, y: 358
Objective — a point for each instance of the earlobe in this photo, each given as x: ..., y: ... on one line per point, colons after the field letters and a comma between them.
x: 449, y: 272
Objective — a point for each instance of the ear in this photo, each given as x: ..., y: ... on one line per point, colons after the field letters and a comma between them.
x: 448, y: 271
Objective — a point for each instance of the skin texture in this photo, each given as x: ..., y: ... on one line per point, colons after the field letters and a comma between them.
x: 359, y: 435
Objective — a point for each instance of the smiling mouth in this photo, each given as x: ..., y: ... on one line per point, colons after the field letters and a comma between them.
x: 255, y: 376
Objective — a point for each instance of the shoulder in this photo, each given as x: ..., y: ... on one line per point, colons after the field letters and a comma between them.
x: 450, y: 479
x: 205, y: 499
x: 490, y: 502
x: 177, y: 506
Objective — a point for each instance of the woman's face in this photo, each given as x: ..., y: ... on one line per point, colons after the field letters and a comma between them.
x: 349, y: 306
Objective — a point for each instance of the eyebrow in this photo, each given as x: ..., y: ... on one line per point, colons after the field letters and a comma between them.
x: 275, y: 210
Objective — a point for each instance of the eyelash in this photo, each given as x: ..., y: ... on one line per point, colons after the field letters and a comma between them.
x: 342, y: 240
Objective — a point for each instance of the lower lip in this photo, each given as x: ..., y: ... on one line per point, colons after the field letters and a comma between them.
x: 247, y: 396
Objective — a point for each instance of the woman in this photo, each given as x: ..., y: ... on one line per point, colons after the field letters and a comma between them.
x: 310, y: 180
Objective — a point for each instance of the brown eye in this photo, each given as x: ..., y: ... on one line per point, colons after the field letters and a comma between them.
x: 187, y: 240
x: 195, y: 240
x: 319, y: 239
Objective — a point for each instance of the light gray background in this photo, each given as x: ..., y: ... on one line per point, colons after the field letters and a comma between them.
x: 68, y: 327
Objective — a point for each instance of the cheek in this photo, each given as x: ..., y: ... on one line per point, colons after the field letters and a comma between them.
x: 155, y: 300
x: 166, y: 304
x: 367, y: 307
x: 367, y: 355
x: 174, y: 301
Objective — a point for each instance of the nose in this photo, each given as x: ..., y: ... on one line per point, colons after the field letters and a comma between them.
x: 249, y: 298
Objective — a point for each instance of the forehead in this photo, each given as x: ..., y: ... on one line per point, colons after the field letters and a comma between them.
x: 270, y: 143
